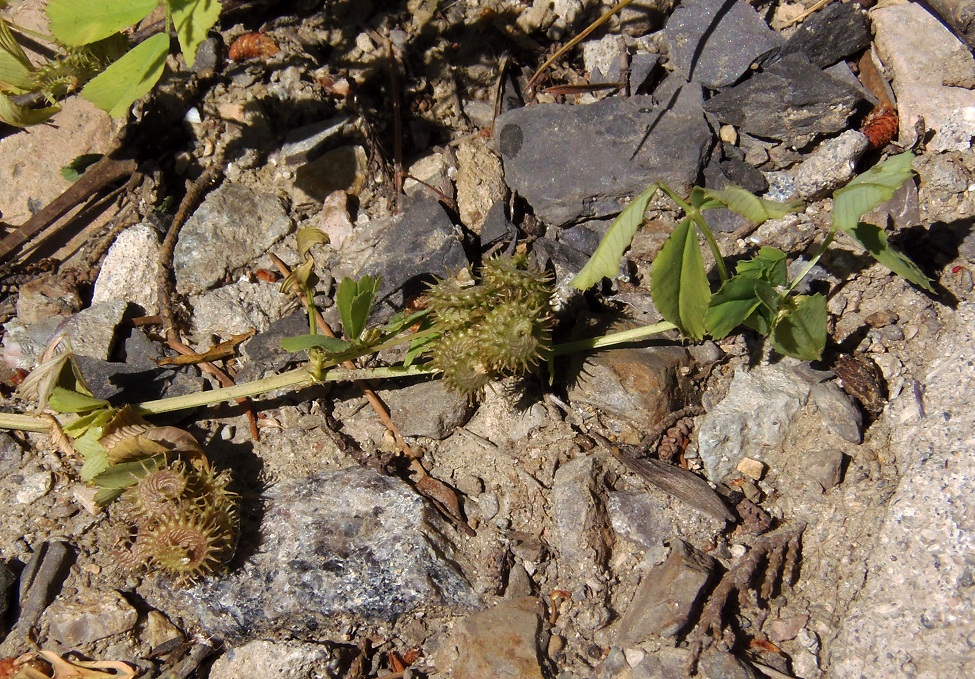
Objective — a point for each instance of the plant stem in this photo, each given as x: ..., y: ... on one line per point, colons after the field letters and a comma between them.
x: 623, y: 337
x: 815, y: 260
x: 24, y: 422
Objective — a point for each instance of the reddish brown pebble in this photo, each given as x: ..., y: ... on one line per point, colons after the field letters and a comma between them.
x: 252, y: 45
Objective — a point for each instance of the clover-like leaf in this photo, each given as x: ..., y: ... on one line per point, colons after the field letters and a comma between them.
x: 118, y: 87
x: 192, y: 20
x: 679, y: 283
x: 801, y: 331
x: 868, y: 190
x: 745, y: 203
x: 332, y: 345
x: 80, y: 22
x: 605, y: 262
x: 874, y: 240
x: 732, y: 304
x: 769, y: 264
x: 354, y: 300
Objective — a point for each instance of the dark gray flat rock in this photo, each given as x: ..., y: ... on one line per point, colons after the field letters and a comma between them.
x: 714, y: 42
x: 581, y: 162
x: 835, y: 32
x: 792, y: 101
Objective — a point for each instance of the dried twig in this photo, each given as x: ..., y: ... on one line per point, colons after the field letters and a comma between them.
x: 443, y: 497
x: 164, y: 279
x: 104, y: 173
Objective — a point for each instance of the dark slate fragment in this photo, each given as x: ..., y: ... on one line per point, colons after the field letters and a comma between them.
x: 835, y: 32
x: 496, y: 227
x: 264, y: 352
x: 338, y: 543
x: 714, y: 42
x: 40, y: 581
x: 423, y: 243
x: 121, y: 383
x: 792, y: 101
x: 579, y: 162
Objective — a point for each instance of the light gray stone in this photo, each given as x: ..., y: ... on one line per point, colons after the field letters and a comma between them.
x: 913, y: 613
x: 301, y: 143
x: 93, y: 616
x: 933, y: 74
x: 236, y: 308
x: 92, y: 330
x: 284, y: 659
x: 234, y: 225
x: 838, y: 413
x: 830, y: 166
x: 130, y: 268
x: 480, y: 182
x: 429, y: 408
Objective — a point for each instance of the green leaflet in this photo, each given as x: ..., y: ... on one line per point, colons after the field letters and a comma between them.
x: 192, y: 19
x: 801, y: 331
x: 15, y: 68
x: 870, y: 189
x: 769, y: 264
x: 874, y: 240
x: 605, y: 262
x: 121, y: 84
x: 731, y: 305
x: 332, y: 345
x: 354, y: 300
x: 737, y: 199
x: 79, y: 22
x: 69, y: 401
x: 679, y: 283
x: 21, y: 116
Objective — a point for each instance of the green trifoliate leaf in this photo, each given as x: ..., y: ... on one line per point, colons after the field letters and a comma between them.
x: 16, y: 71
x: 679, y: 283
x: 21, y: 116
x: 79, y: 22
x: 354, y: 300
x: 193, y: 19
x: 870, y: 189
x: 769, y: 264
x: 874, y: 240
x: 732, y: 304
x: 129, y: 78
x: 69, y: 401
x: 801, y: 331
x: 605, y: 262
x: 745, y: 203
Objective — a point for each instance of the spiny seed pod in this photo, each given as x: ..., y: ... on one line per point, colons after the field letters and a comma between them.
x: 500, y: 326
x: 186, y: 545
x: 156, y: 493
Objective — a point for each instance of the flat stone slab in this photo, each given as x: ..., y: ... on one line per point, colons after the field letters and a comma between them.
x: 348, y: 542
x: 792, y: 101
x: 574, y: 163
x: 714, y: 43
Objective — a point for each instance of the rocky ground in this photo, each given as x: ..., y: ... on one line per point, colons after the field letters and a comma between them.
x: 843, y: 546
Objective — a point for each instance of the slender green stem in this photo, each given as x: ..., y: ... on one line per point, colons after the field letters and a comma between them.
x: 815, y: 260
x: 616, y: 338
x: 24, y: 422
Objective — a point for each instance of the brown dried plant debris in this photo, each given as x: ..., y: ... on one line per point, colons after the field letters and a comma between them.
x: 769, y: 564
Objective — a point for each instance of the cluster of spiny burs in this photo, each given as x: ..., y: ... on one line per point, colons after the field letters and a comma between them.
x: 502, y: 325
x: 184, y: 519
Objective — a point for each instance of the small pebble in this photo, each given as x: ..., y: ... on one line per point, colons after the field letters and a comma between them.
x: 738, y: 551
x: 634, y: 656
x: 753, y: 469
x: 34, y: 487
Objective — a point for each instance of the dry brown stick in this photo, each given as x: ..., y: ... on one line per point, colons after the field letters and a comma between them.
x: 223, y: 378
x: 164, y: 281
x: 105, y: 172
x: 430, y: 487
